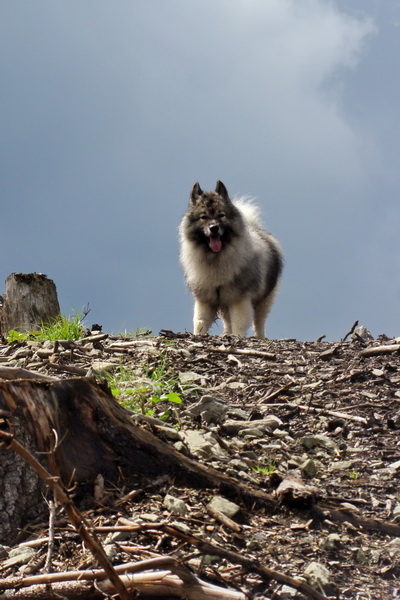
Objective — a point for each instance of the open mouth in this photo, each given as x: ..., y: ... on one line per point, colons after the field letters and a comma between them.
x: 215, y: 243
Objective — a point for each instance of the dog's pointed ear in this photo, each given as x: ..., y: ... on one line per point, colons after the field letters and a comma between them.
x: 196, y: 192
x: 221, y: 190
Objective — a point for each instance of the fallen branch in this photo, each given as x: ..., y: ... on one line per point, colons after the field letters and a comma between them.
x: 176, y: 581
x: 19, y: 373
x: 349, y: 332
x: 231, y: 350
x: 325, y: 411
x: 376, y: 350
x: 213, y: 549
x: 73, y: 513
x: 275, y: 394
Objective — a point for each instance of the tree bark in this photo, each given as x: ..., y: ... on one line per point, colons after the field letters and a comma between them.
x: 29, y: 300
x: 78, y: 430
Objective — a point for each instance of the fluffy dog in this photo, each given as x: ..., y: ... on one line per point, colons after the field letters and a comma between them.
x: 231, y: 264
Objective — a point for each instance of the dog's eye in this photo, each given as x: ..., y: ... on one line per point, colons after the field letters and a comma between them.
x: 203, y: 217
x: 221, y: 215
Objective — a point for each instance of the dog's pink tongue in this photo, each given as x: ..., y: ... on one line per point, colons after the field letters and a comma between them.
x: 215, y: 244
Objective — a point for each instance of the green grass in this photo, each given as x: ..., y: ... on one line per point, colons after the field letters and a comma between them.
x: 60, y: 328
x: 267, y: 469
x: 142, y: 391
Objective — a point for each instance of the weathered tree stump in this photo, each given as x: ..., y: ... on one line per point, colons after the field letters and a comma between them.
x: 92, y: 434
x: 29, y: 300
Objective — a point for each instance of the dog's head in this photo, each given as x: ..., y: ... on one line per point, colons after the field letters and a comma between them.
x: 210, y: 216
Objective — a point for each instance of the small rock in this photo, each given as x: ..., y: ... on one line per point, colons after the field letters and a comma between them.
x: 363, y: 333
x: 361, y: 557
x: 202, y: 445
x: 394, y: 465
x: 182, y: 526
x: 189, y: 377
x: 342, y: 465
x: 238, y: 464
x: 332, y: 542
x: 287, y: 593
x: 251, y: 432
x: 309, y: 468
x: 175, y: 505
x: 110, y: 551
x: 19, y: 556
x: 396, y: 512
x: 317, y: 575
x: 311, y: 441
x: 224, y: 506
x: 393, y: 545
x: 210, y: 409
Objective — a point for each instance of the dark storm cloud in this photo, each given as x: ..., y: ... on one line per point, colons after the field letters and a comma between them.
x: 110, y: 112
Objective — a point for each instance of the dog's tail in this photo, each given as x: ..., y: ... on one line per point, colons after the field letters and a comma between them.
x: 250, y: 211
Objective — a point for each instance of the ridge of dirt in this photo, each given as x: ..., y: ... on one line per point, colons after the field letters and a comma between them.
x: 332, y: 438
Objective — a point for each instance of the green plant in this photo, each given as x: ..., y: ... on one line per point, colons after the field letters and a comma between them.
x: 354, y: 474
x: 267, y: 469
x: 141, y: 393
x: 60, y: 328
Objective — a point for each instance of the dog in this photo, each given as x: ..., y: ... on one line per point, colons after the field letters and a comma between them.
x: 232, y: 265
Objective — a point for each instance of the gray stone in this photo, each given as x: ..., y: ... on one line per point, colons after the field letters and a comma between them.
x: 251, y: 432
x: 189, y: 377
x: 311, y: 441
x: 175, y: 505
x: 317, y: 575
x: 396, y: 512
x: 19, y: 556
x: 309, y: 468
x: 110, y: 551
x: 224, y: 506
x: 361, y: 557
x: 342, y: 465
x: 332, y: 542
x: 238, y: 464
x: 210, y: 409
x: 202, y: 445
x: 287, y: 593
x: 363, y: 333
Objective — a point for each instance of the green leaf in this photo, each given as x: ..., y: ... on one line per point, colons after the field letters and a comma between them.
x: 172, y: 397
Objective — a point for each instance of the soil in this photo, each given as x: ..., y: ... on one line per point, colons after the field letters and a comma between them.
x: 330, y: 458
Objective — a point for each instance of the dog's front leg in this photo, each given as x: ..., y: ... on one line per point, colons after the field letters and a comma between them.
x: 241, y: 316
x: 204, y: 315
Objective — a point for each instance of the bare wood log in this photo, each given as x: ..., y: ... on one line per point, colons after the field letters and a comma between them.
x: 20, y: 373
x: 97, y: 435
x: 376, y: 350
x: 244, y: 352
x: 176, y: 581
x: 29, y: 300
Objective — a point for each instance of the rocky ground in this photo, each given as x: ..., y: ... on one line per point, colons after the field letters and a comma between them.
x: 314, y: 424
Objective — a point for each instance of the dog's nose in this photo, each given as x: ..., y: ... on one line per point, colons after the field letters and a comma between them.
x: 214, y: 229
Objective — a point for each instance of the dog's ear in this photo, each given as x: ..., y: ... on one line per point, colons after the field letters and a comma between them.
x: 196, y: 192
x: 221, y: 190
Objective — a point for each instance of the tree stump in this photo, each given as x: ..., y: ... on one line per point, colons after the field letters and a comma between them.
x: 30, y: 299
x: 78, y: 430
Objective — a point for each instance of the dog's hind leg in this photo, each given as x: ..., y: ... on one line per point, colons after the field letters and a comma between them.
x: 261, y: 311
x: 204, y: 315
x: 241, y: 315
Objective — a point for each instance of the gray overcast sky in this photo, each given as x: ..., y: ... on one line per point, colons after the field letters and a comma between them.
x: 111, y: 110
